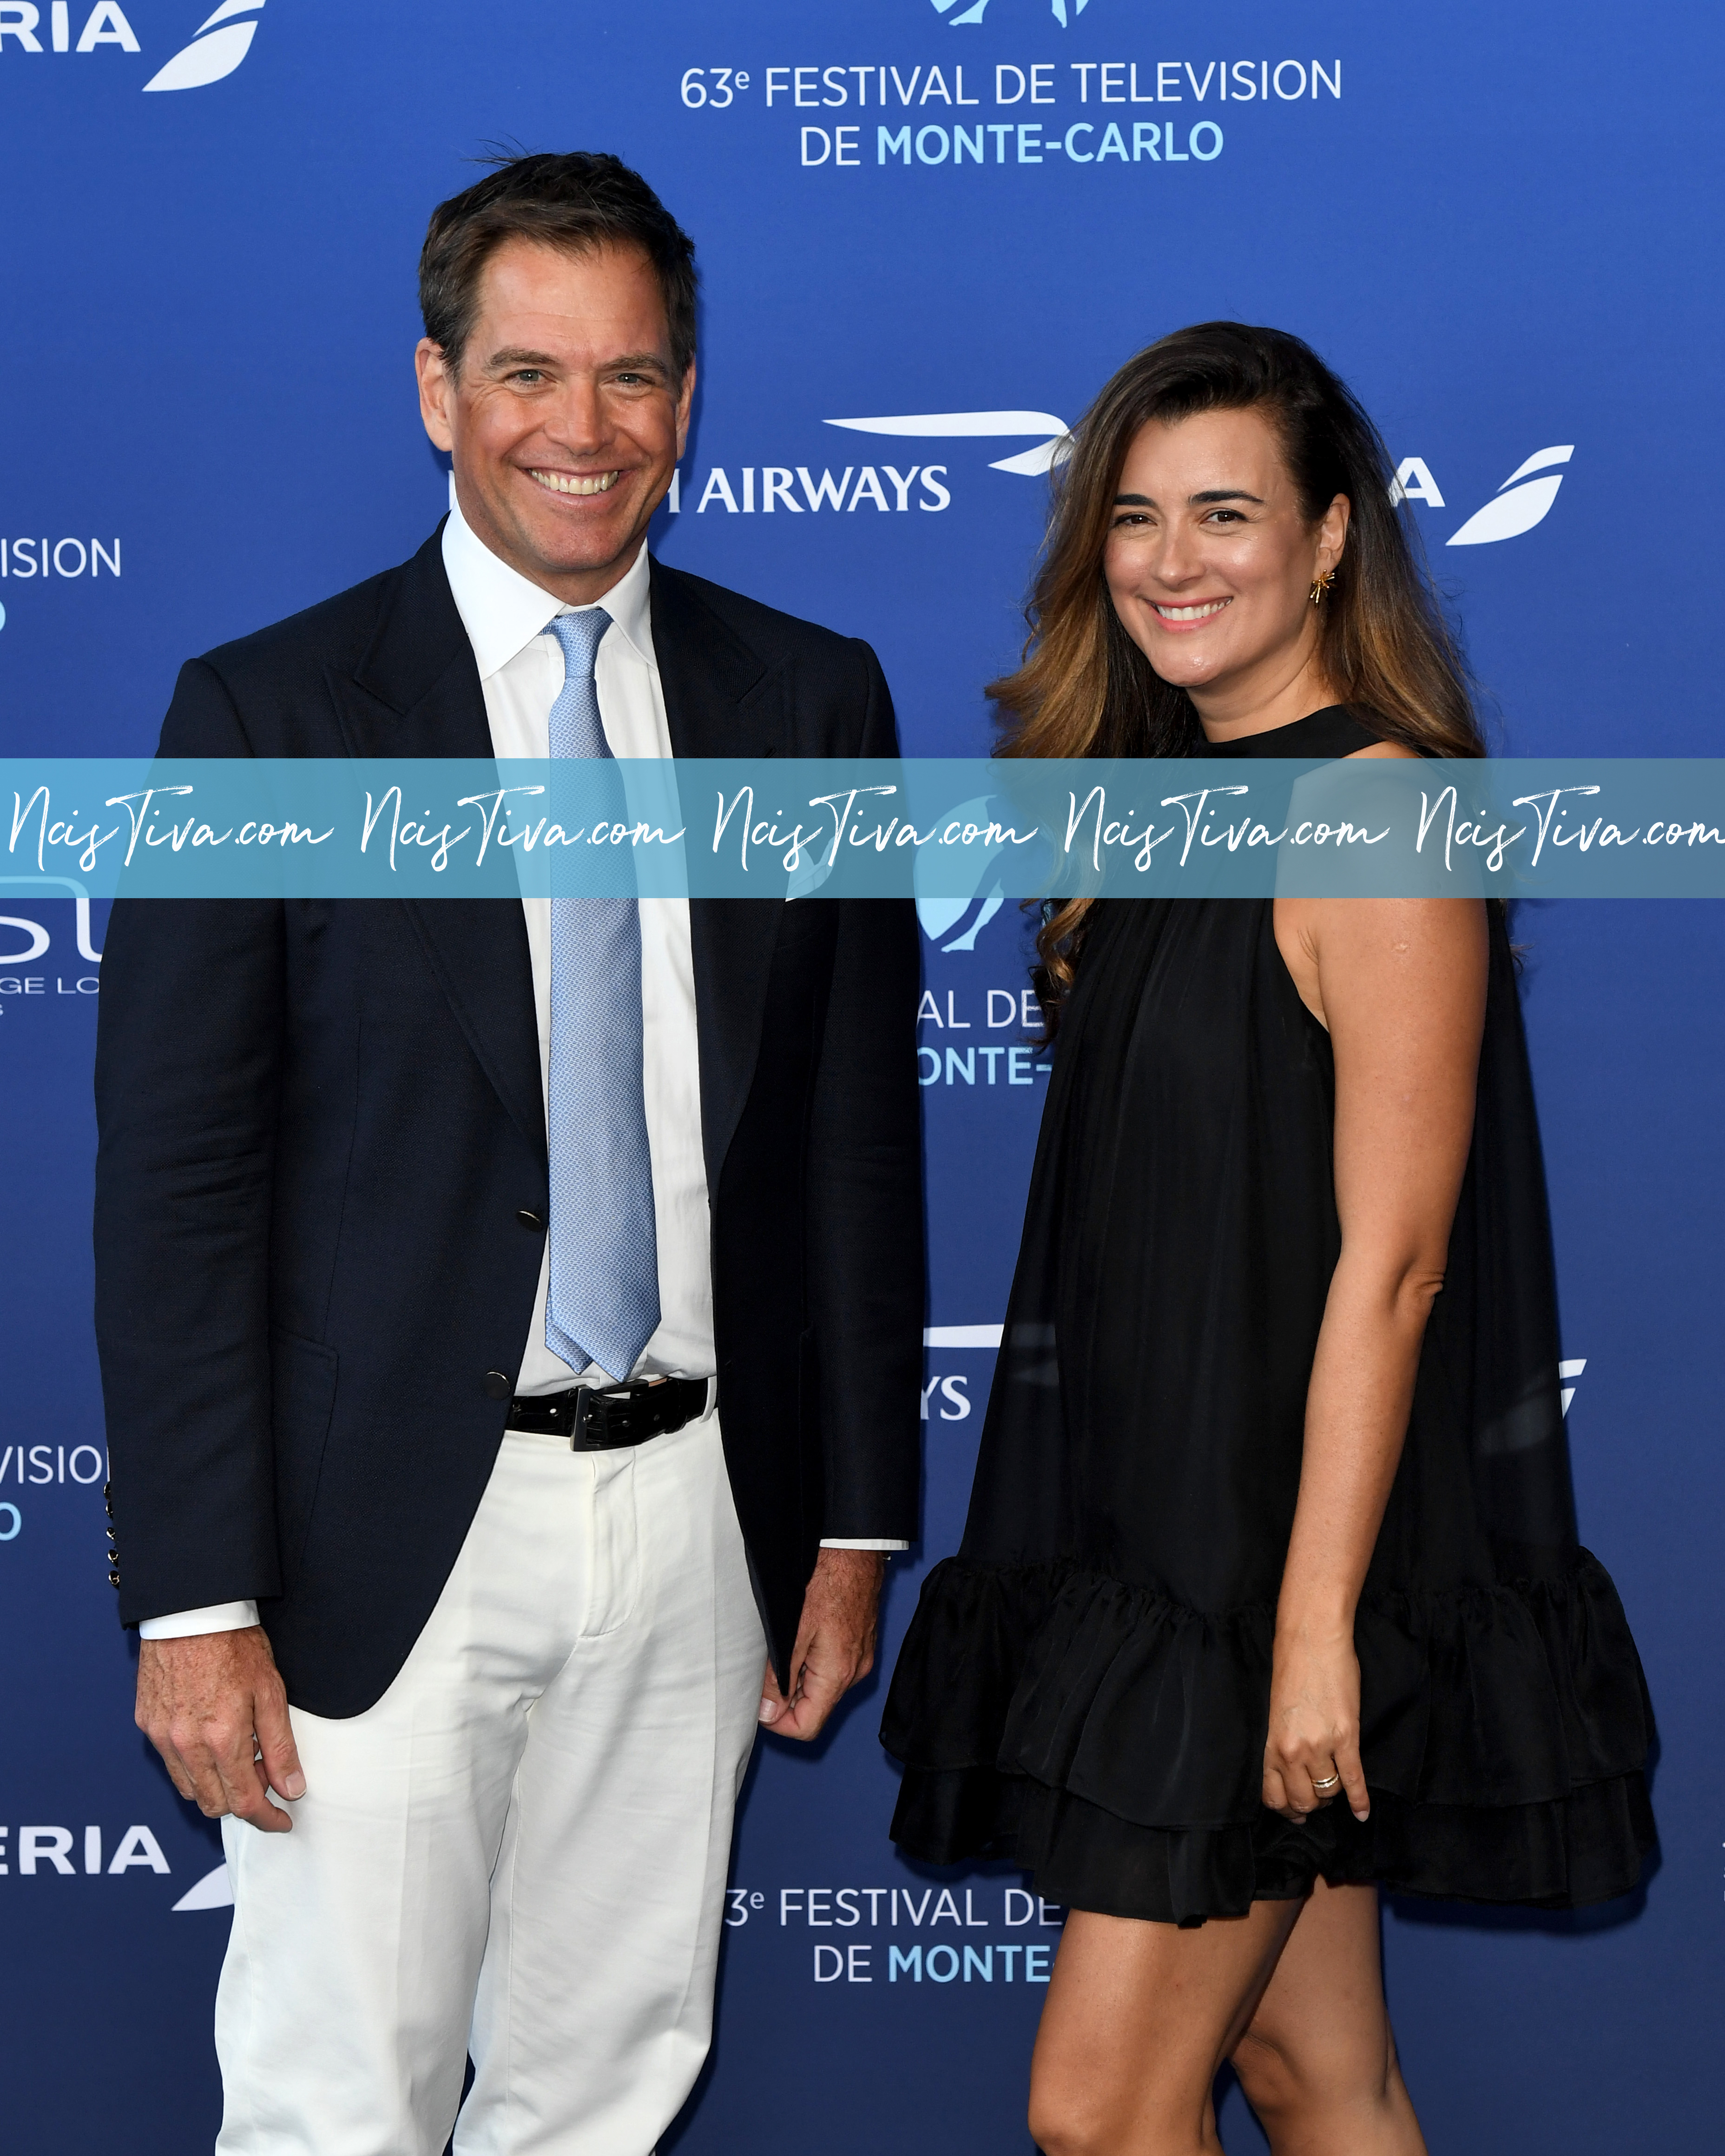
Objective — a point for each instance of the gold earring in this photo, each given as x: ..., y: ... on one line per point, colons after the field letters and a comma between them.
x: 1321, y: 585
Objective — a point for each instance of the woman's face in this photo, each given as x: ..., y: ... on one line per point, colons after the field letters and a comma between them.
x: 1209, y: 558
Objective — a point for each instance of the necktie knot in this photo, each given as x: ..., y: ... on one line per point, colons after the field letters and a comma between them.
x: 580, y: 635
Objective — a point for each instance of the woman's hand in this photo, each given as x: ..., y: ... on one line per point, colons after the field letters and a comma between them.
x: 1314, y: 1723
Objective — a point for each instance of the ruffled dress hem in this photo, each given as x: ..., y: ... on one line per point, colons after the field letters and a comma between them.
x: 1111, y: 1741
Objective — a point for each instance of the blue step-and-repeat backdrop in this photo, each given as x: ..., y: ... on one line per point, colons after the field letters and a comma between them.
x: 929, y: 229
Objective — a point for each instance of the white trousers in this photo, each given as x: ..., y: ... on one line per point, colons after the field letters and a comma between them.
x: 520, y: 1849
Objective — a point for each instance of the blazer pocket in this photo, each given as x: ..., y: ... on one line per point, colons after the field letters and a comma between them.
x: 302, y: 1400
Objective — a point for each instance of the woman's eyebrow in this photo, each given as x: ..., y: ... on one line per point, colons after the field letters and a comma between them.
x: 1212, y: 494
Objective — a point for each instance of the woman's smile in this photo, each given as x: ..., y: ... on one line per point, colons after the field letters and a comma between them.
x: 1189, y: 613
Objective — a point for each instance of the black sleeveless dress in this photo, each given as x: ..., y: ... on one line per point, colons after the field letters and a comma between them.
x: 1084, y: 1687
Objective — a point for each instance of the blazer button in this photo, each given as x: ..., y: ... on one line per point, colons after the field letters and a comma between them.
x: 529, y: 1219
x: 495, y: 1385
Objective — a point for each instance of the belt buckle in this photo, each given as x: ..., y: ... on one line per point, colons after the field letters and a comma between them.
x: 581, y: 1416
x: 593, y: 1405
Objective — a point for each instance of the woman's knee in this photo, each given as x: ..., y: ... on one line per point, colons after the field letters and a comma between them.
x: 1069, y: 2119
x: 1061, y: 2128
x: 1287, y: 2082
x: 1273, y: 2085
x: 1075, y: 2124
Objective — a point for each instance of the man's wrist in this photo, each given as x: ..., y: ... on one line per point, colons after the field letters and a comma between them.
x: 194, y: 1624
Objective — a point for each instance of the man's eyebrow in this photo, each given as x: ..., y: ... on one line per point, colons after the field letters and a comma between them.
x: 518, y: 355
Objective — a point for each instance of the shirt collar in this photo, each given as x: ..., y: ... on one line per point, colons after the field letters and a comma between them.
x: 503, y: 611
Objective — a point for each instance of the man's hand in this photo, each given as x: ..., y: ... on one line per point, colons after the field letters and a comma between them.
x: 835, y: 1642
x: 216, y: 1710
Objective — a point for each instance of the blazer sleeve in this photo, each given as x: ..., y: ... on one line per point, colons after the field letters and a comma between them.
x: 188, y: 1050
x: 866, y: 1295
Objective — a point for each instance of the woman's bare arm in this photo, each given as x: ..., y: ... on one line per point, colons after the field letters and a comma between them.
x: 1400, y: 983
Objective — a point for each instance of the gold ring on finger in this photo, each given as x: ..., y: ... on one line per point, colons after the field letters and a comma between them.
x: 1328, y: 1783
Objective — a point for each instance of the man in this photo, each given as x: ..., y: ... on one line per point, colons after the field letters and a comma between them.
x: 509, y: 1312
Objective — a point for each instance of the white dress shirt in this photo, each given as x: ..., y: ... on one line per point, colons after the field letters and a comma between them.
x: 521, y: 669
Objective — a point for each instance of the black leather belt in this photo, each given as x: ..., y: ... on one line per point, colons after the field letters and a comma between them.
x: 597, y: 1419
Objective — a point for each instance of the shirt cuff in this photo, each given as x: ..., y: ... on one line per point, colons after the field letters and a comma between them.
x: 861, y: 1541
x: 189, y: 1624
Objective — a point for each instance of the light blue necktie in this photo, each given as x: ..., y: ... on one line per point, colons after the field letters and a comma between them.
x: 603, y: 1303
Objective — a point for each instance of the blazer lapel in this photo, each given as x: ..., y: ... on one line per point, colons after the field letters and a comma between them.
x: 417, y: 692
x: 720, y: 699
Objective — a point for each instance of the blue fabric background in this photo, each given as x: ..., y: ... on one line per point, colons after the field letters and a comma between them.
x: 1502, y: 231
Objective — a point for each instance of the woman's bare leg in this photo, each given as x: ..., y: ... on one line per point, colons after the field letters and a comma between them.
x: 1138, y: 2019
x: 1318, y: 2059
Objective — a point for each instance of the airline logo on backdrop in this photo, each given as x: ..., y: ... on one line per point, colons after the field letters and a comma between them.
x: 48, y: 1852
x: 59, y: 1852
x: 1516, y: 509
x: 1523, y: 501
x: 1063, y: 11
x: 215, y: 52
x: 884, y: 487
x: 218, y: 47
x: 214, y: 1891
x: 955, y: 426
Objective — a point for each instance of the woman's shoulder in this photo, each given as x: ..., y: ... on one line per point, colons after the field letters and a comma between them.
x: 1373, y: 737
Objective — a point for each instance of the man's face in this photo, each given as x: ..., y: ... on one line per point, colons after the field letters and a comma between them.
x: 566, y: 419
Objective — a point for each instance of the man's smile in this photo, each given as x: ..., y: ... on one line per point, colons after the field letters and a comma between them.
x: 577, y: 482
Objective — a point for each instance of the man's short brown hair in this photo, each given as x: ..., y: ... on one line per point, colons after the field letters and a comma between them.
x: 582, y: 200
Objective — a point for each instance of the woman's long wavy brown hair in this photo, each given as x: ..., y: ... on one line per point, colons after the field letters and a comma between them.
x: 1084, y: 687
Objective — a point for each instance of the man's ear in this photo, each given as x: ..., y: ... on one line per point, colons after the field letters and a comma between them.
x: 685, y: 399
x: 437, y: 392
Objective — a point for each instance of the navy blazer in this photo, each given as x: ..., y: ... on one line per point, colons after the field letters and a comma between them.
x: 322, y: 1121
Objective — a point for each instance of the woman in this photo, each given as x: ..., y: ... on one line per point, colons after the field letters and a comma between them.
x: 1271, y: 1590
